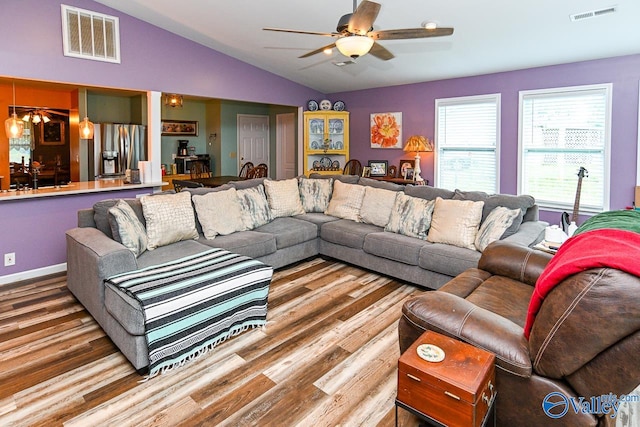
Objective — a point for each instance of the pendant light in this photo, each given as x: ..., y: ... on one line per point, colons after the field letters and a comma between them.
x: 13, y: 126
x: 86, y: 127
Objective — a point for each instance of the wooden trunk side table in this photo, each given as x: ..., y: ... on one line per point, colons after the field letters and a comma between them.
x: 457, y: 391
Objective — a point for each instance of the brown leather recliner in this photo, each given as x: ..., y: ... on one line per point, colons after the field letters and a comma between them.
x: 585, y: 340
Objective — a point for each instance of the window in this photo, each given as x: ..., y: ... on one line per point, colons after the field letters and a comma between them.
x: 467, y: 141
x: 562, y: 130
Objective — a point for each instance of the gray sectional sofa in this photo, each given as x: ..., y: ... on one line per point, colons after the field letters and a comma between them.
x: 93, y: 255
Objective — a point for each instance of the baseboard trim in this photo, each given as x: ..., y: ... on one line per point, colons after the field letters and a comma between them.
x: 32, y: 274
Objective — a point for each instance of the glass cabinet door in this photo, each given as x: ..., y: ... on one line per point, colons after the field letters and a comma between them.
x: 336, y: 134
x: 316, y: 134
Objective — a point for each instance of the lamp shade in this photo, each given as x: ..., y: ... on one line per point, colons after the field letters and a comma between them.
x: 354, y: 46
x: 13, y: 126
x: 417, y: 144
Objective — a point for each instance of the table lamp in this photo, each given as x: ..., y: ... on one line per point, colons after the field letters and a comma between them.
x: 418, y: 144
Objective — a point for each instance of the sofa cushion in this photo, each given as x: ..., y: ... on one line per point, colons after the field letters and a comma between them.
x: 205, y: 190
x: 346, y: 201
x: 219, y: 213
x: 290, y: 231
x: 315, y: 193
x: 347, y: 233
x: 455, y: 222
x: 169, y: 218
x: 410, y: 216
x: 283, y: 197
x: 241, y: 184
x: 127, y: 228
x: 317, y: 218
x: 428, y: 193
x: 396, y: 247
x: 347, y: 179
x: 101, y: 213
x: 249, y: 243
x: 447, y: 259
x: 386, y: 185
x: 377, y: 204
x: 254, y: 206
x: 494, y: 226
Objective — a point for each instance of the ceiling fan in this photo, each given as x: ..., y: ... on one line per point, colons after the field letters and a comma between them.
x: 356, y: 37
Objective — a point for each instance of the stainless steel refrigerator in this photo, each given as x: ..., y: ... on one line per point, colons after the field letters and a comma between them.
x: 118, y: 147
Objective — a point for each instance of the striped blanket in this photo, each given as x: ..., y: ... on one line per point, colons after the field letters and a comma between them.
x: 193, y: 303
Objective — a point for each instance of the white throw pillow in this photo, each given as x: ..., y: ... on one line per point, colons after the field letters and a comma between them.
x: 127, y: 228
x: 377, y: 204
x: 455, y: 222
x: 283, y: 197
x: 410, y: 216
x: 494, y: 226
x: 169, y: 217
x: 346, y: 201
x: 219, y: 212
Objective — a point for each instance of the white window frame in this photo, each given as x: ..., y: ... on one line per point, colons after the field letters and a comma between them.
x: 568, y: 206
x: 493, y: 97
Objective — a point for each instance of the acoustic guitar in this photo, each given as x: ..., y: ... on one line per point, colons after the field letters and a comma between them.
x: 570, y: 226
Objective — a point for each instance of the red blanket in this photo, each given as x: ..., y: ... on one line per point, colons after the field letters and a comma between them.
x: 612, y: 248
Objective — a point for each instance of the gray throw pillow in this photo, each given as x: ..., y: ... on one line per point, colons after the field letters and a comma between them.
x: 254, y: 206
x: 492, y: 229
x: 410, y: 216
x: 127, y: 228
x: 315, y: 193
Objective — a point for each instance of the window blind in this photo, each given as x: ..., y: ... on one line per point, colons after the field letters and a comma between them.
x: 467, y: 132
x: 562, y: 130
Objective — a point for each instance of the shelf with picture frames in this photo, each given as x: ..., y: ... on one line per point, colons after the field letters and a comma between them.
x: 326, y: 141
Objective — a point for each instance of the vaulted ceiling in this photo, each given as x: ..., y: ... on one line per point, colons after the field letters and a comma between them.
x: 490, y: 36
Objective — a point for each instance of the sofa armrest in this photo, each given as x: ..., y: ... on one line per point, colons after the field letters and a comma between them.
x: 456, y: 317
x: 92, y: 257
x: 514, y: 261
x: 529, y: 233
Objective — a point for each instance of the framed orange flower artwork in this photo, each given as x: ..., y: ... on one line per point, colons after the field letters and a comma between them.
x: 386, y: 130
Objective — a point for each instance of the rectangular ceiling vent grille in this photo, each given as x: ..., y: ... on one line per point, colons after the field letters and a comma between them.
x: 593, y: 13
x: 90, y: 35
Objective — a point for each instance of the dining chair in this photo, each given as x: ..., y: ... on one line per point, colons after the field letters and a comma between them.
x: 244, y: 170
x: 179, y: 184
x: 200, y: 170
x: 259, y: 171
x: 352, y: 167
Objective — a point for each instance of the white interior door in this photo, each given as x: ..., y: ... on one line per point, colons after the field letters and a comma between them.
x: 286, y: 146
x: 253, y: 139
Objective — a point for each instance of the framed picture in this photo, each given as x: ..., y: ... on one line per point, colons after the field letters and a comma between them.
x: 404, y: 165
x: 408, y: 174
x: 386, y: 130
x: 52, y: 133
x: 366, y: 171
x: 179, y: 128
x: 378, y: 167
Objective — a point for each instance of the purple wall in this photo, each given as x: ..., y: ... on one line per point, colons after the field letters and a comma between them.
x: 417, y: 104
x: 151, y: 58
x: 34, y: 228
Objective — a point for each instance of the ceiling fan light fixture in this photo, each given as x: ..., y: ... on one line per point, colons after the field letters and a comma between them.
x: 354, y: 46
x: 430, y: 25
x: 328, y: 51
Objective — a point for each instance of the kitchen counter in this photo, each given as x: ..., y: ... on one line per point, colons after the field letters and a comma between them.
x: 74, y: 188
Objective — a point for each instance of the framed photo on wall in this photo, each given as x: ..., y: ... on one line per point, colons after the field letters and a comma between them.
x: 179, y: 128
x: 52, y: 133
x: 378, y: 167
x: 386, y: 130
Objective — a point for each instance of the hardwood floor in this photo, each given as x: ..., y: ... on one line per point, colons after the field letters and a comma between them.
x: 328, y: 357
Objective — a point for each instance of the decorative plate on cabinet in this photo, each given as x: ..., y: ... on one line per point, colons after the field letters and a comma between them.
x: 325, y: 105
x: 335, y: 165
x: 325, y: 162
x: 338, y: 106
x: 312, y: 105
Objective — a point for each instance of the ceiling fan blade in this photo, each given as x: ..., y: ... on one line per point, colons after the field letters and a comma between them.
x: 314, y: 52
x: 409, y: 33
x: 362, y: 19
x: 315, y: 33
x: 381, y: 52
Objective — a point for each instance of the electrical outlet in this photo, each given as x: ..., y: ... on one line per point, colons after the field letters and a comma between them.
x: 9, y: 259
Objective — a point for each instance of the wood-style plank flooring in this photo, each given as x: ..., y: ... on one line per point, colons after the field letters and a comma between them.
x: 328, y: 357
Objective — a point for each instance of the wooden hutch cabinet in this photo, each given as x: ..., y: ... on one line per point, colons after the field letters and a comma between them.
x: 326, y: 141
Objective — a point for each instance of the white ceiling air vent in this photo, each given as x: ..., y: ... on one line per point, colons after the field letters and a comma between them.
x: 90, y: 35
x: 593, y: 13
x: 343, y: 63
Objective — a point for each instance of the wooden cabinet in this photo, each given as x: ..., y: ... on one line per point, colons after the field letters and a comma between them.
x: 326, y: 141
